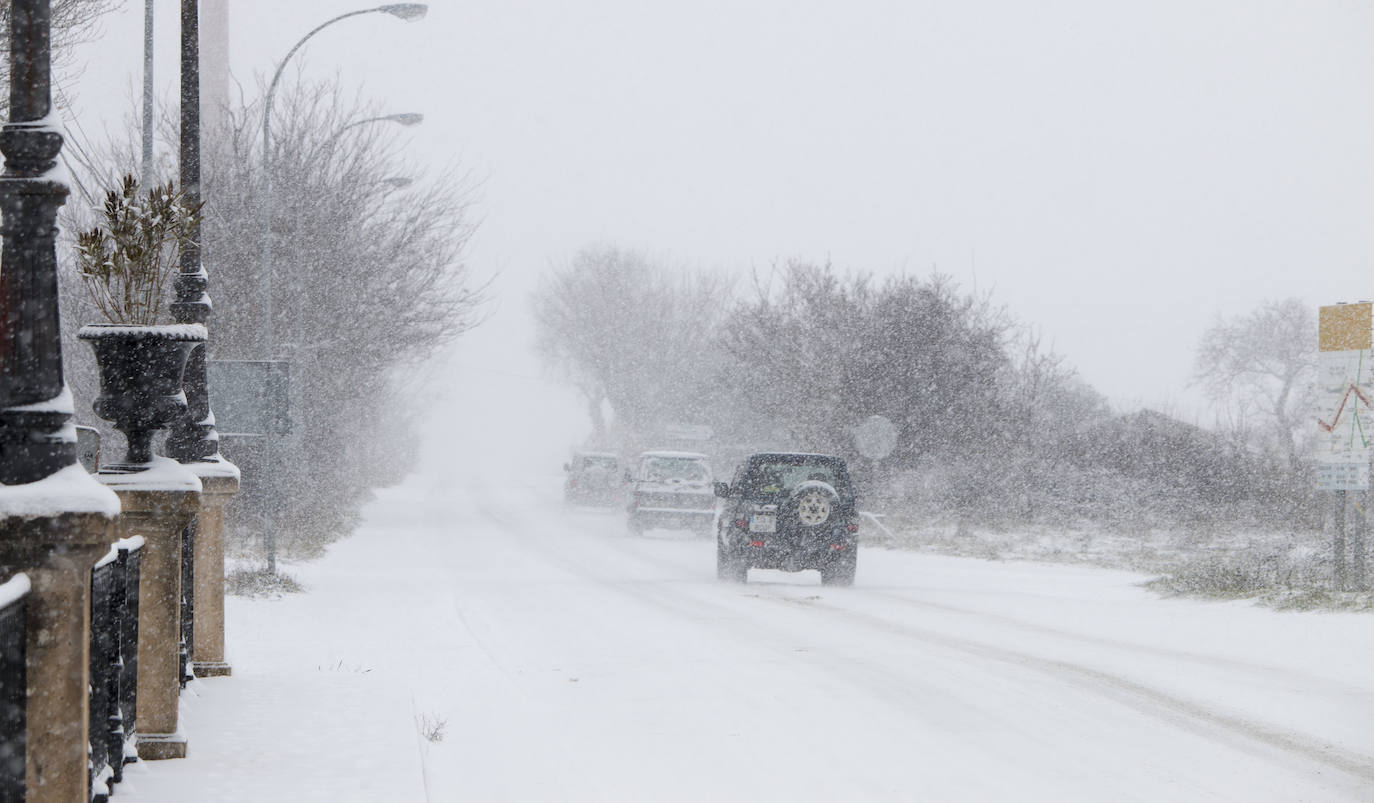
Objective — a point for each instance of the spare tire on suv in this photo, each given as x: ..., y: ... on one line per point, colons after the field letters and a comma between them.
x: 788, y: 511
x: 813, y: 503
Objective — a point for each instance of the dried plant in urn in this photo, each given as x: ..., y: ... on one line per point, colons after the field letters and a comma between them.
x: 127, y: 263
x: 128, y: 260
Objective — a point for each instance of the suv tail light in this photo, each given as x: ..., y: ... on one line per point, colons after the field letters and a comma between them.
x: 853, y: 527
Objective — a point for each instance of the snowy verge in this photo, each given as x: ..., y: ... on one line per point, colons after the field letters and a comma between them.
x: 1283, y: 569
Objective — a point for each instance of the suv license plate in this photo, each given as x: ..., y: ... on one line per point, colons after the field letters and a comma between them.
x: 763, y: 523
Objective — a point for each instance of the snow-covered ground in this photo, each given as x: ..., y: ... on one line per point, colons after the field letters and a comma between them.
x: 566, y: 660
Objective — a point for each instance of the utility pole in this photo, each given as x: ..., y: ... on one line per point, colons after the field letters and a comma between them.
x: 146, y: 174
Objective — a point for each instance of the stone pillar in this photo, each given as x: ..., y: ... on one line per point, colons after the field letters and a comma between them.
x: 220, y: 481
x: 57, y: 552
x: 158, y: 504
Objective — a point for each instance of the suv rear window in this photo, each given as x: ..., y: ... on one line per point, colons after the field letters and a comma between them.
x: 781, y: 474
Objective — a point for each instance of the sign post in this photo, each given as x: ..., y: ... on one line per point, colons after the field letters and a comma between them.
x: 1345, y: 425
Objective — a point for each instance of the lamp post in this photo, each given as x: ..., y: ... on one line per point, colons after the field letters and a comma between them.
x: 193, y: 440
x: 403, y: 11
x: 34, y: 410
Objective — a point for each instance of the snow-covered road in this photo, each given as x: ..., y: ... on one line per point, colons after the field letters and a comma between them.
x: 575, y: 662
x: 570, y: 661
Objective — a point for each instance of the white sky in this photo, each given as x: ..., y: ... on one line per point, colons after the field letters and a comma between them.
x: 1116, y: 173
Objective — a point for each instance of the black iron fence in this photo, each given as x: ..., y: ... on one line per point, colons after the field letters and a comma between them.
x: 130, y: 558
x: 188, y: 602
x: 114, y: 665
x: 13, y: 685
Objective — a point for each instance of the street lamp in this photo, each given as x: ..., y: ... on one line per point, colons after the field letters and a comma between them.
x: 404, y: 11
x: 402, y: 118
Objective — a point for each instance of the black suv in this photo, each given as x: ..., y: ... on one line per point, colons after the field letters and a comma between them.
x: 791, y: 512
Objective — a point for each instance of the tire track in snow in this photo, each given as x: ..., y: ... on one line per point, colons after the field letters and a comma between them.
x: 684, y: 600
x: 1181, y: 712
x: 1213, y: 661
x: 701, y: 603
x: 1176, y: 710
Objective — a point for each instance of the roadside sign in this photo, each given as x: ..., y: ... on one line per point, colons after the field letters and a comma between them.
x: 875, y: 437
x: 1345, y: 391
x: 250, y: 397
x: 1346, y: 327
x: 1342, y: 476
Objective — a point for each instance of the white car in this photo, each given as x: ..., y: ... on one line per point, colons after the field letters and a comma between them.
x: 593, y: 478
x: 672, y: 490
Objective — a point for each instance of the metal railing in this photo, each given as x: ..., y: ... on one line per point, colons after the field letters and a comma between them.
x: 13, y: 686
x: 130, y: 559
x: 114, y: 665
x: 188, y: 603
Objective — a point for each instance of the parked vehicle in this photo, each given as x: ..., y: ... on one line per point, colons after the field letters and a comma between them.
x: 788, y: 511
x: 593, y: 478
x: 671, y: 490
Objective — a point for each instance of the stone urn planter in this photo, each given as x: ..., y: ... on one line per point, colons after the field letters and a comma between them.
x: 141, y: 371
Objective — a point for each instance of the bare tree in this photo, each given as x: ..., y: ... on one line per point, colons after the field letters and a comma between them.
x: 824, y: 350
x: 1046, y: 405
x: 629, y: 332
x: 368, y: 279
x: 1260, y: 366
x: 74, y: 22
